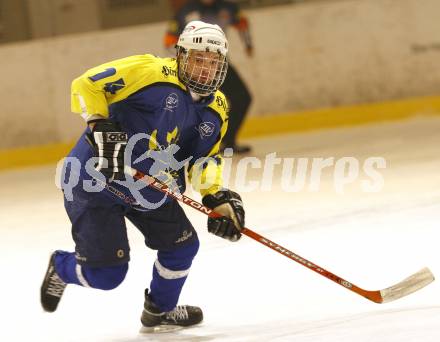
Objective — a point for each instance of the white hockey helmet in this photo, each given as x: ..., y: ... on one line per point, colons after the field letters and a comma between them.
x: 201, y: 54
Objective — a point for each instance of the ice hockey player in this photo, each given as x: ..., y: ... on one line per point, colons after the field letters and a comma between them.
x: 174, y: 102
x: 224, y: 14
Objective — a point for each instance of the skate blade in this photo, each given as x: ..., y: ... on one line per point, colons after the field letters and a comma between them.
x: 159, y: 329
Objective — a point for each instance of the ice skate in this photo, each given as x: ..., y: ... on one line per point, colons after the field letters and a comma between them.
x: 153, y: 320
x: 52, y: 288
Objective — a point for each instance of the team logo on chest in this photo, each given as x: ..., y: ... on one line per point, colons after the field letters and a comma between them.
x: 206, y: 129
x: 171, y: 102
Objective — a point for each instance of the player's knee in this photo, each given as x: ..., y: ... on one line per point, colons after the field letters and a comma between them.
x: 193, y: 248
x: 105, y: 278
x: 180, y: 258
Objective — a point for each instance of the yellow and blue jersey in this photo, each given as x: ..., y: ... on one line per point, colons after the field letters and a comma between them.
x: 144, y: 95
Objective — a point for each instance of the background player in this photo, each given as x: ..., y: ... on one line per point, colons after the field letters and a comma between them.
x: 224, y: 14
x: 175, y: 101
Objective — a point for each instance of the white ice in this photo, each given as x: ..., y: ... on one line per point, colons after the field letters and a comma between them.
x: 247, y: 291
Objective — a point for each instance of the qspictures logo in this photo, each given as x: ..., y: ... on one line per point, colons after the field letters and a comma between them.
x: 250, y: 174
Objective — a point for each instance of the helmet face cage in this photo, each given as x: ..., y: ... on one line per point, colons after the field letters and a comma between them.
x: 203, y: 72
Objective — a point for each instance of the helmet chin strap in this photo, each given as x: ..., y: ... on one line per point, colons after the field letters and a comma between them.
x: 196, y: 97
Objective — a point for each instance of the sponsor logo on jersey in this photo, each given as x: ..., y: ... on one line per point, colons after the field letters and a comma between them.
x: 171, y: 102
x: 206, y: 129
x: 221, y: 103
x: 167, y: 71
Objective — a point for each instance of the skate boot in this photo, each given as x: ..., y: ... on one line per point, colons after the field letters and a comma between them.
x: 181, y: 316
x: 52, y: 288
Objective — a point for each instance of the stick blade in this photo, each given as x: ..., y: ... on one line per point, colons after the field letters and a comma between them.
x: 407, y: 286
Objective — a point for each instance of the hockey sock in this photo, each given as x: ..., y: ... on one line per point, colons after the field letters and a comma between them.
x: 65, y: 266
x: 169, y: 274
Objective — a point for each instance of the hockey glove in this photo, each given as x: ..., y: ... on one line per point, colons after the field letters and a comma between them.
x: 108, y: 142
x: 229, y: 204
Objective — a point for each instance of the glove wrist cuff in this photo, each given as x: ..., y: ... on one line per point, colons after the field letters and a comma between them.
x: 210, y: 201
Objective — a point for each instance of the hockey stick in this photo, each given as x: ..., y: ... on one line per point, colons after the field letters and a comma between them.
x: 407, y: 286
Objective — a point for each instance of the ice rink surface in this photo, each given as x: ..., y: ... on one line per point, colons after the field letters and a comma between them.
x: 247, y: 291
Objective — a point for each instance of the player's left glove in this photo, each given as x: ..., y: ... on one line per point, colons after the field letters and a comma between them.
x: 229, y: 204
x: 108, y: 142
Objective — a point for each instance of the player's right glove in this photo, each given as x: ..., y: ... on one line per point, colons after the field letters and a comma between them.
x: 227, y: 203
x: 108, y: 142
